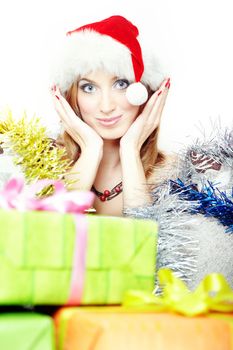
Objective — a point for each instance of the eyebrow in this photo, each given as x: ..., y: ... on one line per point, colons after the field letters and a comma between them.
x: 88, y: 80
x: 94, y: 82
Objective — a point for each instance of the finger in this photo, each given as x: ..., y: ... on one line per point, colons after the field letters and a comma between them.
x: 159, y: 103
x: 60, y: 100
x: 63, y: 107
x: 149, y: 105
x: 157, y: 95
x: 56, y: 95
x: 163, y: 99
x: 66, y: 114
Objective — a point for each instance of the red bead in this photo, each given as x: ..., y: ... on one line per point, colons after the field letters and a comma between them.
x: 118, y: 189
x: 103, y: 198
x: 107, y: 193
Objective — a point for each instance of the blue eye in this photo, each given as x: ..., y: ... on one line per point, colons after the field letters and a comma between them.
x: 88, y: 88
x: 121, y: 84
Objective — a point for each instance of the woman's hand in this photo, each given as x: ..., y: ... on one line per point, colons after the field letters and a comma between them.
x: 136, y: 192
x: 148, y: 120
x: 80, y: 132
x: 83, y: 172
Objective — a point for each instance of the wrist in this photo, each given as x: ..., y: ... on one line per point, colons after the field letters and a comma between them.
x: 127, y: 151
x: 93, y: 153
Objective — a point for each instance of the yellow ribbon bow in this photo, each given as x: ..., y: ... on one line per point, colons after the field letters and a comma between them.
x: 212, y: 294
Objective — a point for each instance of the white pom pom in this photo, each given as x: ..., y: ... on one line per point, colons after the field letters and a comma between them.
x: 136, y: 94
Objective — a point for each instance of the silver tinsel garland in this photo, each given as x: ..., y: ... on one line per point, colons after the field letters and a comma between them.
x: 176, y: 248
x: 194, y: 245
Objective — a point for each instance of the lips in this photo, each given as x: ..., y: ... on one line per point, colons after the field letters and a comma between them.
x: 109, y: 121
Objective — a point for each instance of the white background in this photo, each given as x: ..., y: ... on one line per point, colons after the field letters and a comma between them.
x: 192, y: 37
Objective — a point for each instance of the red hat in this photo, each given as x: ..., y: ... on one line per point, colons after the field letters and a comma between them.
x: 110, y: 44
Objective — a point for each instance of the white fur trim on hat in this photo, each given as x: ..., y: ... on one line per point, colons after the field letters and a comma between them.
x: 86, y: 51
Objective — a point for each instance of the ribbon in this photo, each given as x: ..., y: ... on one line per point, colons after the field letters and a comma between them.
x: 79, y: 261
x: 15, y: 195
x: 212, y: 294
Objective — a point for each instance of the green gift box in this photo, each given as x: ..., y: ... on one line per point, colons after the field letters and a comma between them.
x: 26, y: 331
x: 37, y: 257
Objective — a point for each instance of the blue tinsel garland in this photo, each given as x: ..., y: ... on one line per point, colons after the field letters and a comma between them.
x: 210, y: 201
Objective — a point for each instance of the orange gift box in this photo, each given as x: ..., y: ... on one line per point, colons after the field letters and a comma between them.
x: 121, y: 328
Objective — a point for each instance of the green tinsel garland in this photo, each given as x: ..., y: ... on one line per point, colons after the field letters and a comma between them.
x: 35, y: 153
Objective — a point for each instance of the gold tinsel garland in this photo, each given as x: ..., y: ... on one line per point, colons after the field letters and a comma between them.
x: 37, y: 155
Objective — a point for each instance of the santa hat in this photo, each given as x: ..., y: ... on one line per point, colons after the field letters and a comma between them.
x: 112, y: 45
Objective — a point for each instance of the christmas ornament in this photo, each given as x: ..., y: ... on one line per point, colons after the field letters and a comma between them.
x: 37, y: 155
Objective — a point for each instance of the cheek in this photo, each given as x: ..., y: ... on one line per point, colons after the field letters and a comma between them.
x: 132, y: 111
x: 86, y: 105
x: 127, y: 107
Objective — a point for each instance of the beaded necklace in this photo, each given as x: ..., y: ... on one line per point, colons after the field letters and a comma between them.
x: 107, y: 195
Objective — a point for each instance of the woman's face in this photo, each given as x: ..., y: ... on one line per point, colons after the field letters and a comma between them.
x: 103, y: 104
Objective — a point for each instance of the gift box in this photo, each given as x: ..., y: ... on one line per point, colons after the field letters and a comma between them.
x: 26, y: 331
x: 177, y: 318
x: 103, y: 328
x: 53, y: 258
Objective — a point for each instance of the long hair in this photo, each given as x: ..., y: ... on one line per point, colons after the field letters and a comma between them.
x: 150, y: 155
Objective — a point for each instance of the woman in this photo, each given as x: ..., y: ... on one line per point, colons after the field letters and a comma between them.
x: 112, y: 141
x: 110, y: 97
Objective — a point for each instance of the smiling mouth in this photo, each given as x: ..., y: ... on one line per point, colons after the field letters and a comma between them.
x: 109, y: 121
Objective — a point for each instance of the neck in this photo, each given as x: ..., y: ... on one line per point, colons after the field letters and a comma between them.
x: 109, y: 171
x: 111, y: 156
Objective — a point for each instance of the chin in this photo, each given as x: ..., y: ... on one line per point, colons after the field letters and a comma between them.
x: 111, y: 134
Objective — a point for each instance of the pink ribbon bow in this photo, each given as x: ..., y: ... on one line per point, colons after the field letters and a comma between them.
x: 15, y: 195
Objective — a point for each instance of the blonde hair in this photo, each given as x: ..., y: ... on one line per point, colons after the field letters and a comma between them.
x: 150, y: 155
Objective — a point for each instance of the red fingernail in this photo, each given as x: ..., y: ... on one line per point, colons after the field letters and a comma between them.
x: 53, y: 88
x: 57, y: 97
x: 159, y: 93
x: 167, y: 83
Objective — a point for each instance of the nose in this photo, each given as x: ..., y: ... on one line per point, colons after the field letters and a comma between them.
x: 107, y: 102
